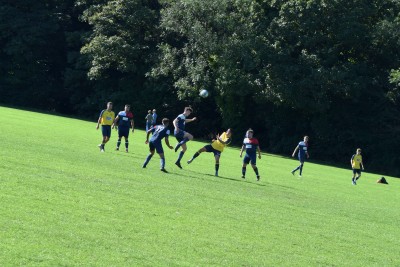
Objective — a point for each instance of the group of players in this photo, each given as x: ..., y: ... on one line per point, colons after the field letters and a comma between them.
x: 125, y: 123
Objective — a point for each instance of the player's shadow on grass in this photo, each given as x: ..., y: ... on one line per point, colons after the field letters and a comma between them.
x: 219, y: 177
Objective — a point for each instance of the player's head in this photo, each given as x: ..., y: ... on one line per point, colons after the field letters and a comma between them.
x: 229, y: 132
x: 249, y: 133
x: 154, y: 110
x: 127, y: 107
x: 358, y: 151
x: 165, y: 122
x: 306, y: 138
x: 188, y: 110
x: 149, y: 111
x: 109, y: 105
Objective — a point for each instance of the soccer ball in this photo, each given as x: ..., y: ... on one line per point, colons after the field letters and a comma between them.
x: 204, y: 93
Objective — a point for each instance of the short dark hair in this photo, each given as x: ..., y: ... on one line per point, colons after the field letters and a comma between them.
x: 189, y: 108
x: 165, y: 121
x: 128, y: 106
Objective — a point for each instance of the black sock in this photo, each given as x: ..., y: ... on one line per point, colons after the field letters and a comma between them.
x: 216, y: 167
x: 256, y: 170
x: 244, y: 171
x: 118, y: 143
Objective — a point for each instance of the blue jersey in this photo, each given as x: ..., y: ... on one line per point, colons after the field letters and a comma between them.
x: 302, y: 149
x: 251, y: 145
x: 159, y: 132
x: 181, y: 121
x: 154, y: 118
x: 124, y: 119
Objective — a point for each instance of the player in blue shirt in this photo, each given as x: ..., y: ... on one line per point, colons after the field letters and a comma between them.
x: 154, y: 116
x: 180, y: 134
x: 159, y: 132
x: 251, y: 145
x: 124, y: 120
x: 303, y: 153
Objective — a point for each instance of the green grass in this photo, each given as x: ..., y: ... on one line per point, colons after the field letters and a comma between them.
x: 63, y: 203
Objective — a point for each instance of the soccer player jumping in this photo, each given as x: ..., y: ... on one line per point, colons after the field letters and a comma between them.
x: 180, y: 134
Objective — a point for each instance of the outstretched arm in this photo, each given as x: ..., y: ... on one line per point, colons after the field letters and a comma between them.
x: 259, y: 152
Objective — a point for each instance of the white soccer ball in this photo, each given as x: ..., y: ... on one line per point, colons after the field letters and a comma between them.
x: 204, y: 93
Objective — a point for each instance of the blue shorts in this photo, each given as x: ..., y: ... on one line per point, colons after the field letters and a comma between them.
x: 209, y: 148
x: 179, y: 136
x: 156, y: 146
x: 123, y: 131
x: 302, y: 159
x: 250, y: 158
x: 106, y: 130
x: 357, y: 171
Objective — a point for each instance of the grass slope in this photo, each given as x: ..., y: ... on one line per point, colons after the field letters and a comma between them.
x: 65, y: 204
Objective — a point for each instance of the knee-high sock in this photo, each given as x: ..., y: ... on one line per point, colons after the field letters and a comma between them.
x: 180, y: 156
x: 119, y: 142
x: 244, y: 171
x: 298, y: 167
x: 147, y: 159
x: 126, y: 144
x: 162, y: 162
x: 216, y: 167
x: 301, y: 168
x: 195, y: 155
x: 256, y: 170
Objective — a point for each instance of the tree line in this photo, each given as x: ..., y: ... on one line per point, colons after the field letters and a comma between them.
x: 327, y: 69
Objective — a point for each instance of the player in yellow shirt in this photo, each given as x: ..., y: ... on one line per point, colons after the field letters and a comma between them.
x: 357, y: 165
x: 106, y: 119
x: 217, y: 147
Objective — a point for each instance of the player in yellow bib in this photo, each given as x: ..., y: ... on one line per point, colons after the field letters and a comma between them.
x: 106, y: 119
x: 357, y: 165
x: 217, y: 147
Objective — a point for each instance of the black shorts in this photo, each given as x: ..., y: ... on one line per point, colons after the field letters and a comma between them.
x: 209, y: 148
x: 106, y: 130
x: 357, y: 171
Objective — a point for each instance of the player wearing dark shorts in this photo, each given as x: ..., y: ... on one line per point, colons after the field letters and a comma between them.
x: 125, y: 122
x: 159, y: 132
x: 216, y: 147
x: 181, y: 136
x: 303, y: 154
x: 106, y: 119
x: 251, y: 145
x: 357, y: 165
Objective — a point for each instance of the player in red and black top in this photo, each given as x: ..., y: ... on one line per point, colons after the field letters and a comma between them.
x: 125, y: 122
x: 252, y: 147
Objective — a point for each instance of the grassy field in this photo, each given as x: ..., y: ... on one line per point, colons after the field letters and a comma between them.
x: 63, y: 203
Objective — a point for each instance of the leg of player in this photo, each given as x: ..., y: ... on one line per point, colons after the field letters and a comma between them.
x: 126, y: 144
x: 196, y: 155
x: 254, y: 166
x: 162, y: 163
x: 178, y: 161
x: 148, y: 158
x: 216, y: 164
x: 186, y: 138
x: 244, y: 170
x: 301, y: 168
x: 118, y: 142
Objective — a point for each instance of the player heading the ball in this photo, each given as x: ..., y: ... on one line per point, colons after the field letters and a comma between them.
x: 180, y: 134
